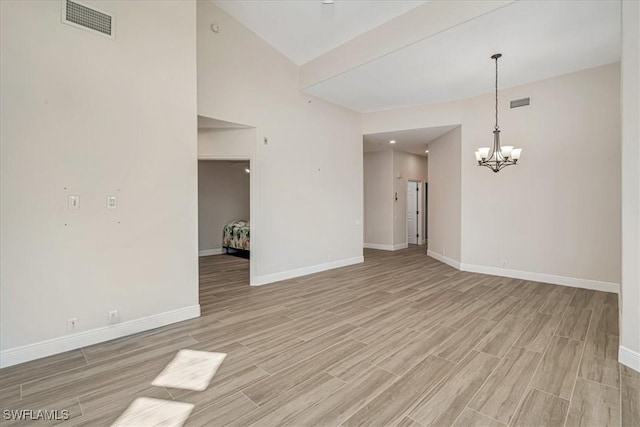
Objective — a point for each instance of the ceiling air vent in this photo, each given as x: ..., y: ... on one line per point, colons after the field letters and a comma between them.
x: 520, y: 102
x: 88, y: 18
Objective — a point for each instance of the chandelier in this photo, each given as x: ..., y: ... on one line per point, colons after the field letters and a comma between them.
x: 499, y: 157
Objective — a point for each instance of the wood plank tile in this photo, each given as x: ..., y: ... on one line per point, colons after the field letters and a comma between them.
x: 559, y: 367
x: 9, y: 395
x: 41, y: 368
x: 408, y: 422
x: 529, y: 305
x: 361, y: 361
x: 503, y: 336
x: 304, y: 350
x: 404, y: 357
x: 600, y: 359
x: 629, y: 372
x: 471, y: 418
x: 606, y: 319
x: 103, y: 407
x: 574, y: 324
x: 557, y: 305
x: 466, y: 314
x: 444, y: 403
x: 391, y: 404
x: 144, y: 340
x: 583, y: 299
x: 284, y: 380
x: 140, y: 365
x: 498, y: 310
x: 630, y: 397
x: 222, y: 412
x: 460, y: 344
x: 502, y: 392
x: 538, y: 333
x: 221, y: 388
x: 50, y: 403
x: 341, y: 405
x: 285, y: 407
x: 541, y: 409
x: 594, y: 405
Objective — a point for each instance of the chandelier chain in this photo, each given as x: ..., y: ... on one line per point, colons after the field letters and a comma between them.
x: 496, y: 126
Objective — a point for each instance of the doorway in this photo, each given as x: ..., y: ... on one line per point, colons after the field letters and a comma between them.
x: 413, y: 212
x: 224, y: 219
x: 425, y: 240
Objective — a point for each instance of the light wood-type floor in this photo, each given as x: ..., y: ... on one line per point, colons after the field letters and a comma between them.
x: 399, y: 340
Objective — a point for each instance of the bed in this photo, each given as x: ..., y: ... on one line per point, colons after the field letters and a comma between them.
x: 236, y: 235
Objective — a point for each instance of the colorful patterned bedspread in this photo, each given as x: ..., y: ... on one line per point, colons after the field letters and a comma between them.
x: 236, y: 235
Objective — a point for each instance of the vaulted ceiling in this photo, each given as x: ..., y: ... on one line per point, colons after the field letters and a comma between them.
x: 304, y: 29
x: 539, y: 39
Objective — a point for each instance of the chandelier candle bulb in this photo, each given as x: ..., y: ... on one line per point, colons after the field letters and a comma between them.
x: 515, y: 153
x: 506, y: 151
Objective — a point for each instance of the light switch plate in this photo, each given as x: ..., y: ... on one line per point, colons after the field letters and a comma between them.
x: 74, y: 202
x: 112, y: 202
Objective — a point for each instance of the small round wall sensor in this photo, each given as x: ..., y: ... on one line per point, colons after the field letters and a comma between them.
x: 215, y: 28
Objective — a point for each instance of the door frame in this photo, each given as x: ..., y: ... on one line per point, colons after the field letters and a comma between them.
x: 252, y: 207
x: 419, y: 216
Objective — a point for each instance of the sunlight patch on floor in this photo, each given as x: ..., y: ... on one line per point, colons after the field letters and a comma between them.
x: 190, y: 370
x: 145, y: 411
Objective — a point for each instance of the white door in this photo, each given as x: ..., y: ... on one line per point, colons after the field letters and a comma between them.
x: 412, y: 212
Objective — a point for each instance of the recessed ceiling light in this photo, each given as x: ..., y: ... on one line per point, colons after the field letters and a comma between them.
x: 426, y: 151
x: 393, y: 141
x: 327, y: 1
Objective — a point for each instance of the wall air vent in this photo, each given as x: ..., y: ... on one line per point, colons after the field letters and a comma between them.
x: 88, y: 18
x: 522, y: 102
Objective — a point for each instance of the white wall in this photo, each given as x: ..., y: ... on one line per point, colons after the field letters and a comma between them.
x: 411, y: 168
x: 86, y: 115
x: 227, y: 143
x: 223, y: 196
x: 630, y: 287
x: 309, y: 175
x: 445, y: 197
x: 378, y: 199
x: 558, y: 211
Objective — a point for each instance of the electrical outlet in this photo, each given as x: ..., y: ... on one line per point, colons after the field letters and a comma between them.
x: 504, y: 263
x: 72, y: 324
x: 113, y: 316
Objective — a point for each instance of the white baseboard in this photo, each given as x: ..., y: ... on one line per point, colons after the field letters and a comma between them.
x: 277, y: 277
x: 545, y: 278
x: 207, y: 252
x: 378, y: 246
x: 13, y: 356
x: 382, y: 247
x: 449, y: 261
x: 629, y: 358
